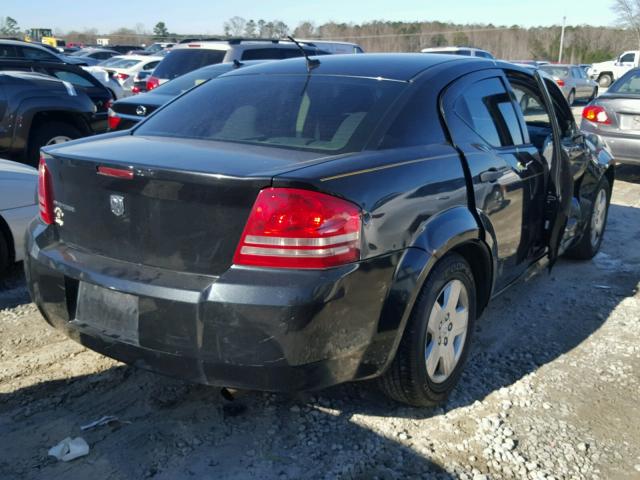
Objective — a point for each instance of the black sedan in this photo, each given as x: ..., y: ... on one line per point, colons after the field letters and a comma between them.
x: 308, y: 222
x: 125, y: 113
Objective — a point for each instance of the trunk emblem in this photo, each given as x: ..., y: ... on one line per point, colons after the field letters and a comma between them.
x: 141, y: 110
x: 117, y: 205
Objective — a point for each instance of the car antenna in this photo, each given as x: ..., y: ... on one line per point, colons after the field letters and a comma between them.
x: 237, y: 63
x: 311, y: 62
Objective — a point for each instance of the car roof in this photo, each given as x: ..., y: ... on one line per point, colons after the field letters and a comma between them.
x: 138, y: 57
x: 20, y: 43
x: 391, y: 66
x: 238, y: 43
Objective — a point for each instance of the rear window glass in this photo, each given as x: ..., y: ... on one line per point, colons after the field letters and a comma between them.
x: 184, y: 60
x: 122, y: 63
x: 556, y: 71
x: 192, y: 79
x: 318, y: 113
x: 629, y: 83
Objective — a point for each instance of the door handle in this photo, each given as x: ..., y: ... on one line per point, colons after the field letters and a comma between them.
x: 490, y: 175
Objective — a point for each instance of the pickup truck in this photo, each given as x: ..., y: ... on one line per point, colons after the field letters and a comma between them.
x: 38, y: 110
x: 605, y: 73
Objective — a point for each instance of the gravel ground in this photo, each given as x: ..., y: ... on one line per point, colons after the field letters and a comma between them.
x: 550, y: 391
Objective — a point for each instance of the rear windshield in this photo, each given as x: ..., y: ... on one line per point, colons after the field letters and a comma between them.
x: 555, y: 71
x: 121, y: 63
x: 317, y: 113
x: 184, y: 60
x: 629, y: 83
x: 193, y: 79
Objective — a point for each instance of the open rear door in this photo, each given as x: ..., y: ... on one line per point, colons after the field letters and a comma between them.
x: 559, y: 183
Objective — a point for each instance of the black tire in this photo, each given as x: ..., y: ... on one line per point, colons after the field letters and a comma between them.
x: 5, y: 261
x: 42, y: 134
x: 571, y: 99
x: 605, y: 80
x: 407, y: 379
x: 586, y: 248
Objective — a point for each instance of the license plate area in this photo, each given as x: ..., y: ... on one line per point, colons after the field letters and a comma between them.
x: 629, y: 122
x: 110, y: 313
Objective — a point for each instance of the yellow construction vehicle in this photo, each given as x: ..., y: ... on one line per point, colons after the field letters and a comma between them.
x: 44, y: 35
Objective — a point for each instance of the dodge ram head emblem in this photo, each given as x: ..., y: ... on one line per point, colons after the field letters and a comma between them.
x: 117, y: 205
x: 141, y: 110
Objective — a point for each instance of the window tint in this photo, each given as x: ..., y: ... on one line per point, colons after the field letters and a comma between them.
x: 317, y: 113
x: 531, y: 105
x: 486, y: 107
x: 37, y: 54
x: 192, y: 79
x: 101, y: 55
x: 150, y: 65
x: 8, y: 51
x: 483, y: 54
x: 464, y: 52
x: 262, y: 54
x: 629, y: 57
x: 629, y: 83
x: 183, y: 60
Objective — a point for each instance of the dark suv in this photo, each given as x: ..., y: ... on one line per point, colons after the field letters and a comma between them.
x: 50, y: 111
x: 20, y: 56
x: 302, y: 223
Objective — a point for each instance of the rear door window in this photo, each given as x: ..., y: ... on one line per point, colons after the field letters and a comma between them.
x: 487, y: 109
x: 37, y: 54
x: 150, y: 65
x: 183, y: 60
x: 8, y: 51
x: 262, y: 54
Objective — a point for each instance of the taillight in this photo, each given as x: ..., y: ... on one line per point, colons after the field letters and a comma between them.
x: 45, y: 192
x: 597, y: 114
x: 122, y: 76
x: 135, y: 90
x: 152, y: 82
x: 113, y: 119
x: 560, y: 82
x: 293, y: 228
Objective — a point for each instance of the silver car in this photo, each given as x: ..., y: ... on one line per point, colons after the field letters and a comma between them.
x: 615, y: 116
x: 573, y: 81
x: 18, y: 206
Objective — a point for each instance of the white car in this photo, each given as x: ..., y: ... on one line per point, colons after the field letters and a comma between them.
x: 464, y: 51
x: 108, y: 81
x: 18, y: 206
x: 605, y: 73
x: 125, y: 67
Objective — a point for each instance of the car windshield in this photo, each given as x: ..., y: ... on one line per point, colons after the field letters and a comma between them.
x: 156, y: 47
x: 629, y: 83
x: 318, y: 113
x: 193, y: 79
x: 555, y: 71
x: 183, y: 60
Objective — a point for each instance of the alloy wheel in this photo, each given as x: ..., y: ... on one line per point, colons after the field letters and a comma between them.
x: 447, y: 331
x: 598, y: 217
x: 58, y: 139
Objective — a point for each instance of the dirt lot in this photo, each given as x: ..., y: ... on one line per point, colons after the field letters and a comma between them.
x: 550, y: 391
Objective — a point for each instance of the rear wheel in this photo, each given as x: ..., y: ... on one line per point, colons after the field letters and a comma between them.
x: 572, y: 97
x: 4, y: 255
x: 605, y: 80
x: 434, y: 346
x: 49, y: 133
x: 591, y: 239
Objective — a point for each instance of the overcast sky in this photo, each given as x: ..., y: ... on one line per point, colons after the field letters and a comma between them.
x: 209, y: 16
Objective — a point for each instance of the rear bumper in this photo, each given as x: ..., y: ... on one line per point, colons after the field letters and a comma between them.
x: 248, y: 328
x: 624, y: 149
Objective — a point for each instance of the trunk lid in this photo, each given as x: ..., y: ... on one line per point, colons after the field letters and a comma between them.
x: 184, y: 209
x: 625, y: 112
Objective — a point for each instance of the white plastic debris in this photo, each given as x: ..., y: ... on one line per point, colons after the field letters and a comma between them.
x: 70, y: 449
x: 106, y: 420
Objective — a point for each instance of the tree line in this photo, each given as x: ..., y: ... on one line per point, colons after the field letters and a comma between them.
x: 583, y: 43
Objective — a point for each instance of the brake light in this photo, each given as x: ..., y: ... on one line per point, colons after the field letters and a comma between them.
x: 293, y: 228
x: 45, y: 192
x: 560, y: 82
x: 596, y: 114
x: 113, y: 119
x: 123, y: 173
x: 152, y: 82
x: 122, y: 76
x: 135, y: 90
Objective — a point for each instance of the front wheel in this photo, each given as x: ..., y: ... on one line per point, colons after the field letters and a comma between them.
x: 50, y: 133
x: 434, y: 346
x: 593, y: 233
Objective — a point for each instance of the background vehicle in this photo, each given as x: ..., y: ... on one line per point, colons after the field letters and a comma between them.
x: 51, y: 111
x: 108, y: 80
x: 573, y: 82
x: 615, y: 116
x: 186, y: 57
x: 605, y: 73
x: 16, y: 50
x: 17, y: 209
x: 465, y: 51
x: 127, y: 112
x: 82, y: 80
x: 45, y: 36
x: 152, y: 49
x: 124, y: 49
x: 91, y: 56
x: 140, y: 82
x: 124, y: 68
x: 347, y: 239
